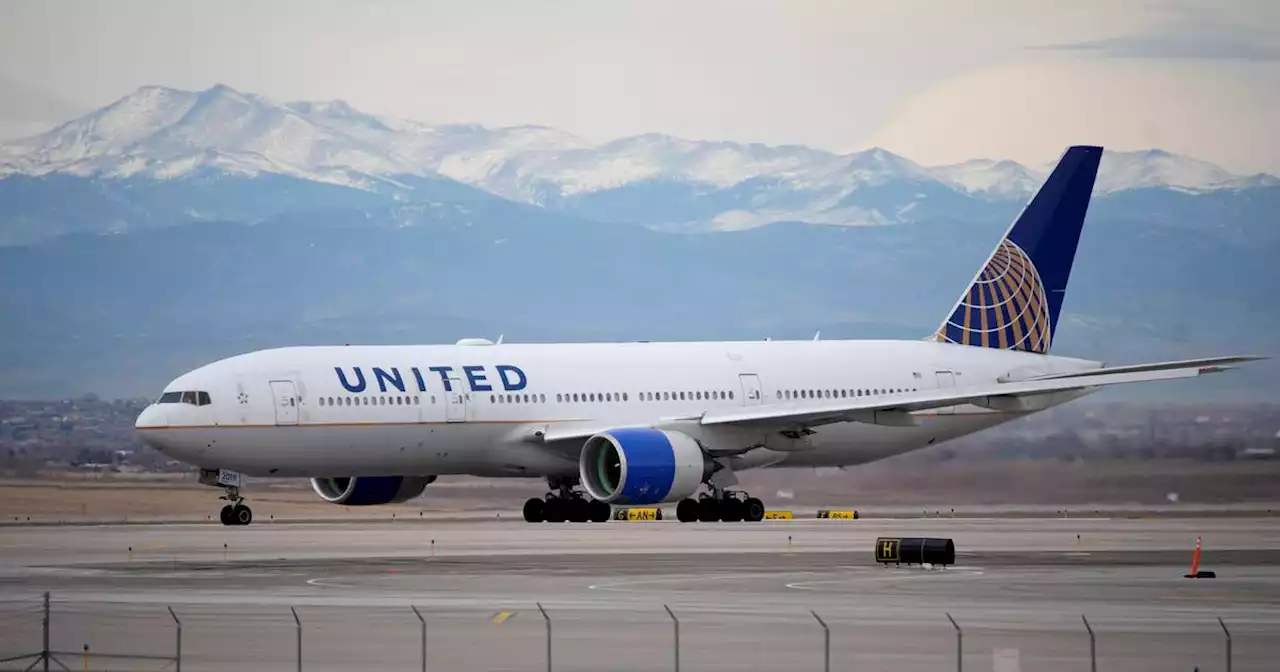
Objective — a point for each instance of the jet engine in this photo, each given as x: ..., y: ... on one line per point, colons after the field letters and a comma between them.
x: 369, y: 490
x: 641, y: 466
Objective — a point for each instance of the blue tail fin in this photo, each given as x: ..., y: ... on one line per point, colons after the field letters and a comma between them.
x: 1014, y: 302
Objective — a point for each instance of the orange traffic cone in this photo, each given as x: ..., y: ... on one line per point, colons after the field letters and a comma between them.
x: 1195, y: 572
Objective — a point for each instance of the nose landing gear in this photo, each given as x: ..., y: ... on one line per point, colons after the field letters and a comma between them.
x: 235, y: 512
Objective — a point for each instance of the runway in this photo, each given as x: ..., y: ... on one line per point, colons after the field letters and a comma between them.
x: 745, y: 594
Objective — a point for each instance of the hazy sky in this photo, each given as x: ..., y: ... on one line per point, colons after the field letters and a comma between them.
x: 937, y: 81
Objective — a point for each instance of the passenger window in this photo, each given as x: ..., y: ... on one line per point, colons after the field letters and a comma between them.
x: 731, y: 394
x: 624, y: 396
x: 415, y: 400
x: 608, y: 396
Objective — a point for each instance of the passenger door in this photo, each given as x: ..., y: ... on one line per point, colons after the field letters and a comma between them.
x: 946, y: 381
x: 751, y: 395
x: 286, y: 402
x: 455, y: 402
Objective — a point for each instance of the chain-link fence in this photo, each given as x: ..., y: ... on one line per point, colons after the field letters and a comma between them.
x: 49, y: 634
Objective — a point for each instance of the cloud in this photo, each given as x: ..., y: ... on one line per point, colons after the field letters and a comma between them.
x: 1179, y: 45
x: 1193, y: 32
x: 1030, y: 111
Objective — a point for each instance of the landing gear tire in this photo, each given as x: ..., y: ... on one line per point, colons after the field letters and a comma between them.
x: 555, y: 510
x: 235, y: 515
x: 598, y: 511
x: 753, y: 510
x: 731, y: 510
x: 243, y: 515
x: 687, y: 511
x: 534, y: 511
x: 709, y: 510
x: 579, y: 510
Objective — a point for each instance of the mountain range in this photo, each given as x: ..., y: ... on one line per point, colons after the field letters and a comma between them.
x: 172, y: 227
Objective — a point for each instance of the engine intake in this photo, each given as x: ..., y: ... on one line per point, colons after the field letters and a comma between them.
x: 641, y: 466
x: 370, y: 490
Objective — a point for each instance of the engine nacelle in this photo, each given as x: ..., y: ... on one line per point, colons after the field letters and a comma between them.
x: 370, y: 490
x: 640, y: 466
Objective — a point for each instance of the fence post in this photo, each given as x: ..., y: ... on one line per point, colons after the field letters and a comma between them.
x: 959, y: 644
x: 1226, y: 632
x: 298, y: 622
x: 423, y: 621
x: 1093, y: 647
x: 44, y: 652
x: 675, y: 624
x: 547, y: 618
x: 826, y: 642
x: 177, y: 652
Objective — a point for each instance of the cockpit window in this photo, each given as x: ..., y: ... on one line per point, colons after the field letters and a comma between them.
x: 185, y: 397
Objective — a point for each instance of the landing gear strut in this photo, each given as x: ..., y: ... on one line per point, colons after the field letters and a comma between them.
x: 724, y: 506
x: 565, y: 503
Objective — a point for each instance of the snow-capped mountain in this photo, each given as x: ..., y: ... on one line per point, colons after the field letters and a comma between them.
x: 163, y: 134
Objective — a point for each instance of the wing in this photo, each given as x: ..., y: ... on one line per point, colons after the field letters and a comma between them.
x: 897, y: 408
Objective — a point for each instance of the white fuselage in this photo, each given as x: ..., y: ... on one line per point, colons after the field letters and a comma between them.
x: 480, y: 409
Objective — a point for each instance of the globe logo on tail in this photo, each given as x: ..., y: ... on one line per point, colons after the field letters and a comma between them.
x: 1005, y: 308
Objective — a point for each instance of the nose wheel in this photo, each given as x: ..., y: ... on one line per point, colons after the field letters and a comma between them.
x: 235, y: 513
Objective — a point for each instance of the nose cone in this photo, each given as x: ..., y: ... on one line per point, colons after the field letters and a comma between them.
x: 152, y: 417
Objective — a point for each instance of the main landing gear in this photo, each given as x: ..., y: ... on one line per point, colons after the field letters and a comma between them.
x: 722, y: 506
x: 565, y: 504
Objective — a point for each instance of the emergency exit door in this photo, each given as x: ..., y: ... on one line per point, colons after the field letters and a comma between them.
x: 751, y: 395
x: 946, y: 381
x: 455, y: 402
x: 286, y: 402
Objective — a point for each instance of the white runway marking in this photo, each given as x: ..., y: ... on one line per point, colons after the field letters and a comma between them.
x: 867, y: 577
x: 625, y: 586
x: 323, y: 582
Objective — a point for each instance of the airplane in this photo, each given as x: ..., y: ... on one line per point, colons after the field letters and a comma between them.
x: 640, y: 424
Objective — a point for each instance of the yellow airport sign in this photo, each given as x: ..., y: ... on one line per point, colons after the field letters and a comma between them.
x: 778, y: 515
x: 827, y: 514
x: 638, y: 514
x: 887, y: 550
